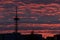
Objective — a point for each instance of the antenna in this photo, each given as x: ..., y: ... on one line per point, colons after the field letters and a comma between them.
x: 16, y: 21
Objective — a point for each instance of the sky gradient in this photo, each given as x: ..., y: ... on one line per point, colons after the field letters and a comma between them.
x: 42, y: 16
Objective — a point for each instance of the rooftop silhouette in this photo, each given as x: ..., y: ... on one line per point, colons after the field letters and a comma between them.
x: 32, y: 36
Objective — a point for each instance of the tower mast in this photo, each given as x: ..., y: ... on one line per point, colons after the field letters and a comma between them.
x: 16, y: 21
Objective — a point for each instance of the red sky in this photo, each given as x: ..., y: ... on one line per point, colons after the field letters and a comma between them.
x: 48, y: 16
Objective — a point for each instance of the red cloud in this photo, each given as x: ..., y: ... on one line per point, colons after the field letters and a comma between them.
x: 2, y: 17
x: 52, y: 9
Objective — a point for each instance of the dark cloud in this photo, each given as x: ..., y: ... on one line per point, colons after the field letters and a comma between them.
x: 9, y: 5
x: 42, y: 1
x: 8, y: 9
x: 30, y: 28
x: 35, y: 1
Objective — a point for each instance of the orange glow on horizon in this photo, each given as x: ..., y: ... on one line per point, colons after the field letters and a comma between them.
x: 25, y: 32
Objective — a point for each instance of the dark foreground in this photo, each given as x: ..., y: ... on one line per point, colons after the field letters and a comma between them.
x: 18, y: 36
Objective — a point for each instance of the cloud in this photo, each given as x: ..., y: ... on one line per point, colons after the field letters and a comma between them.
x: 35, y: 1
x: 40, y: 12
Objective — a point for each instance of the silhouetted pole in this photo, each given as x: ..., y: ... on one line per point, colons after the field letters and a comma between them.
x: 16, y: 21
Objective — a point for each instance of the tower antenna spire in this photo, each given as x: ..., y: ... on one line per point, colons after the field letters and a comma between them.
x: 16, y: 21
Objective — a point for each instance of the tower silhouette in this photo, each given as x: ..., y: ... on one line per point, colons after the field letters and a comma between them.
x: 16, y: 21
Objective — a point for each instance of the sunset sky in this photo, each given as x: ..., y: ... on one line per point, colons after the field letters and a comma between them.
x: 42, y: 16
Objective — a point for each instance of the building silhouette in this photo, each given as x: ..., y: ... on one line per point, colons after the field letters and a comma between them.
x: 33, y: 36
x: 50, y: 38
x: 57, y: 37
